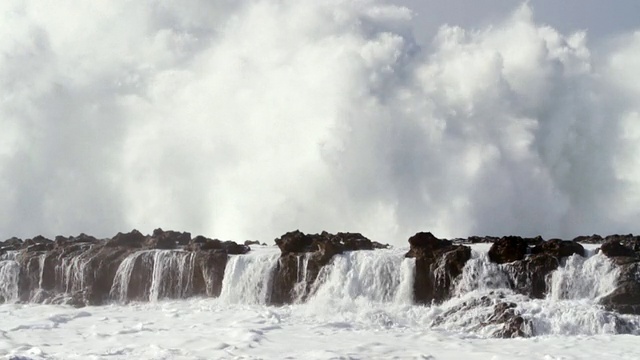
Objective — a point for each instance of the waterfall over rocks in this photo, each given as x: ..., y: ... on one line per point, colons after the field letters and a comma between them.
x: 497, y: 287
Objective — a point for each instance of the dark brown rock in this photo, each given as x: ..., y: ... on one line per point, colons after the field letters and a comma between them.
x: 529, y: 276
x: 589, y: 239
x: 201, y: 243
x: 625, y: 299
x: 513, y: 325
x: 13, y: 243
x: 613, y: 248
x: 559, y: 248
x: 438, y: 264
x: 169, y: 239
x: 630, y: 241
x: 316, y: 250
x: 508, y: 249
x: 133, y: 239
x: 295, y: 242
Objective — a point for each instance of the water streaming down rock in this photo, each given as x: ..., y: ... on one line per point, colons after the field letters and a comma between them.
x: 517, y: 287
x: 380, y: 277
x: 487, y: 301
x: 9, y: 277
x: 83, y: 270
x: 248, y: 279
x: 152, y: 275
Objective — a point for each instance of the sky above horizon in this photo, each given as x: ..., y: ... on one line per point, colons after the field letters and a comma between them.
x: 600, y: 19
x: 247, y: 119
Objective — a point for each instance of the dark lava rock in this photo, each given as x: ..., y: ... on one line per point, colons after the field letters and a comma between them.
x: 40, y: 240
x: 13, y: 243
x: 82, y: 270
x: 252, y: 242
x: 630, y: 241
x: 295, y: 242
x: 424, y: 244
x: 38, y: 247
x: 201, y: 243
x: 304, y: 255
x: 559, y: 248
x: 133, y: 239
x: 589, y: 239
x: 508, y: 249
x: 529, y: 276
x: 491, y: 311
x: 169, y: 239
x: 513, y: 325
x: 613, y: 248
x: 625, y: 299
x: 480, y: 239
x: 438, y: 264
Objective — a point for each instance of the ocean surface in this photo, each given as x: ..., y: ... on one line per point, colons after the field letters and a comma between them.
x: 362, y: 309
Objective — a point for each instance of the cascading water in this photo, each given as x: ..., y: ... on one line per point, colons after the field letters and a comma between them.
x: 583, y: 279
x: 9, y: 276
x: 300, y: 288
x: 70, y: 273
x: 368, y: 287
x: 247, y: 278
x: 157, y: 274
x: 383, y: 277
x: 570, y: 308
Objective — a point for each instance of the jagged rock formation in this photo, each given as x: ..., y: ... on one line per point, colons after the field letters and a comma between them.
x: 499, y: 316
x: 438, y: 264
x: 83, y: 270
x: 624, y: 250
x: 303, y: 256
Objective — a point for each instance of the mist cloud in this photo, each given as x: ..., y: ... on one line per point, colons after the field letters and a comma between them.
x: 248, y: 119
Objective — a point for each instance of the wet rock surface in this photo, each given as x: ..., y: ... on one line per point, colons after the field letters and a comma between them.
x: 83, y: 270
x: 529, y: 262
x: 624, y: 250
x: 438, y: 264
x: 302, y: 258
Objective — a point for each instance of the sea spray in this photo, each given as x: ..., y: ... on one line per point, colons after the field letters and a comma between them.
x: 570, y: 307
x: 242, y: 120
x: 247, y: 278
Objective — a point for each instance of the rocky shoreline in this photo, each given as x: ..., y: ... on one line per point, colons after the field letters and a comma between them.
x: 84, y: 270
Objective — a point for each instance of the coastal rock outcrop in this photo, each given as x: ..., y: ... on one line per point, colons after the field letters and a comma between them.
x: 304, y: 255
x: 528, y: 267
x: 438, y: 264
x: 83, y: 270
x: 624, y: 250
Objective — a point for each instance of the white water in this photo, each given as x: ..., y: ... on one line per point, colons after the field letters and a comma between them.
x: 360, y: 308
x: 247, y: 278
x: 239, y: 119
x: 9, y: 273
x: 171, y: 275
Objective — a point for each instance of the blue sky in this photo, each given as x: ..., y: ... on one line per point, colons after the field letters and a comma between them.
x: 601, y: 19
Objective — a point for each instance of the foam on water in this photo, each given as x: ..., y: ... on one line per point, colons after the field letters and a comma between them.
x: 312, y: 115
x: 356, y: 295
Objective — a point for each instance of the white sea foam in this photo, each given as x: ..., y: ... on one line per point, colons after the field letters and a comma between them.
x: 361, y: 307
x: 246, y: 119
